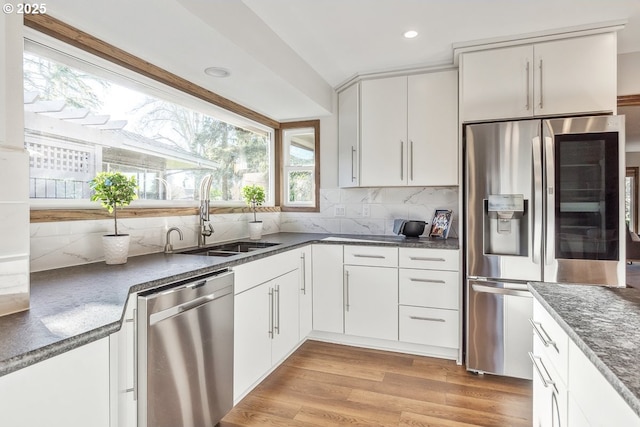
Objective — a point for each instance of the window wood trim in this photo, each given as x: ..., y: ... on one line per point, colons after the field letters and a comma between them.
x: 54, y: 215
x: 315, y: 124
x: 628, y: 100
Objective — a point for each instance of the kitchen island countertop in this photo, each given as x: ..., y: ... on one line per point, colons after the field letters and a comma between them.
x: 604, y: 323
x: 73, y: 306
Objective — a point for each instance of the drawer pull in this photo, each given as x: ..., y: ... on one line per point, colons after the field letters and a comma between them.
x: 543, y: 335
x: 546, y: 381
x: 369, y: 256
x: 414, y: 279
x: 428, y: 319
x: 425, y: 258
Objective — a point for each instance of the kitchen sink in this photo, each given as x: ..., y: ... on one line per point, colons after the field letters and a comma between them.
x: 229, y: 249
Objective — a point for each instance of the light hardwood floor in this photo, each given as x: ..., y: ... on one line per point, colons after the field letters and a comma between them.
x: 324, y: 384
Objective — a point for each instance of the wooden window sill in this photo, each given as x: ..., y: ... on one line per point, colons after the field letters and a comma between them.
x: 55, y: 215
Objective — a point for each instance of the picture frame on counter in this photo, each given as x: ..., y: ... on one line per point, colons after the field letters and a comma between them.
x: 440, y: 224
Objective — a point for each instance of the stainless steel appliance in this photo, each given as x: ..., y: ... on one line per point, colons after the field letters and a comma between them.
x: 543, y: 202
x: 185, y: 352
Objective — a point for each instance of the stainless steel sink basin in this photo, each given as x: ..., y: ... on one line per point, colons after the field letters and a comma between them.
x: 229, y: 249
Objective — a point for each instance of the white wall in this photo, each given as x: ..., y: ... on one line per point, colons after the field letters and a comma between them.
x: 14, y: 172
x: 629, y: 73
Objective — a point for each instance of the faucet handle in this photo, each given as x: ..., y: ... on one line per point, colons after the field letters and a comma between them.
x: 207, y: 228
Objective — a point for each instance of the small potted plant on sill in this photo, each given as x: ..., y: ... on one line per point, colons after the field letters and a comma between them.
x: 254, y: 196
x: 113, y: 190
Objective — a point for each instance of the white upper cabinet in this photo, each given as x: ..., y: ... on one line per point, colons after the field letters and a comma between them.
x: 576, y: 75
x: 568, y: 76
x: 349, y: 136
x: 399, y: 131
x: 383, y: 147
x: 433, y: 129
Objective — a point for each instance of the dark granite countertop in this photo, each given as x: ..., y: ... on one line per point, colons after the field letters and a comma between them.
x: 605, y: 324
x: 73, y: 306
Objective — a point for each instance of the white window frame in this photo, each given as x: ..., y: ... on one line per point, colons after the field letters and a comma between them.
x: 287, y: 168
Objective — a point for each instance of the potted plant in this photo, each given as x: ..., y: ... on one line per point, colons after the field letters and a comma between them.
x: 254, y: 196
x: 113, y: 190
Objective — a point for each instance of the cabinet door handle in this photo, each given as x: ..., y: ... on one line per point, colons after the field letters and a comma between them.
x: 428, y: 319
x: 410, y: 160
x: 401, y: 160
x: 369, y: 256
x: 541, y: 86
x: 543, y: 335
x: 276, y: 297
x: 528, y: 87
x: 134, y: 389
x: 271, y: 309
x: 546, y: 380
x: 415, y: 279
x: 346, y: 290
x: 353, y: 169
x: 422, y: 258
x: 303, y: 274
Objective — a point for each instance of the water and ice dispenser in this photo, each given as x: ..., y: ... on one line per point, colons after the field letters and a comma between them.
x: 506, y: 221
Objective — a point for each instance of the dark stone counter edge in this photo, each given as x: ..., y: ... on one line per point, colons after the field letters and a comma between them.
x: 629, y: 397
x: 29, y: 358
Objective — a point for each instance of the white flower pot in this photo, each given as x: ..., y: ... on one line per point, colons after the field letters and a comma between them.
x: 116, y: 248
x: 255, y: 230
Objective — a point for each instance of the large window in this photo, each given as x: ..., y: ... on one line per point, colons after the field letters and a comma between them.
x: 81, y: 118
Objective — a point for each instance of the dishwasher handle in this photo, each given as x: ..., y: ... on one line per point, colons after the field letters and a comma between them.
x: 501, y: 291
x: 191, y: 305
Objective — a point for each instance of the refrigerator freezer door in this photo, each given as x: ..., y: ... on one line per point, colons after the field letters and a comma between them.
x: 498, y: 331
x: 503, y: 162
x: 584, y: 239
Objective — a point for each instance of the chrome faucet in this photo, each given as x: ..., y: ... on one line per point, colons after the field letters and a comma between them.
x: 206, y: 229
x: 168, y: 248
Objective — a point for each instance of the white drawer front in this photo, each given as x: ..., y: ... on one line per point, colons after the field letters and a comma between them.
x: 262, y: 270
x: 433, y: 259
x: 371, y: 255
x: 430, y: 288
x: 552, y: 340
x: 429, y: 326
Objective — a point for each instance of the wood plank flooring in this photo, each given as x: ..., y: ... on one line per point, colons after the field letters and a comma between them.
x: 324, y: 384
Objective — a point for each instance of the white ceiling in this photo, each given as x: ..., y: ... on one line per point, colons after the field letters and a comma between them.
x: 286, y: 56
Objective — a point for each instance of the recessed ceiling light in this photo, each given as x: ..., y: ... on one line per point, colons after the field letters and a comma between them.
x: 410, y: 34
x: 217, y: 72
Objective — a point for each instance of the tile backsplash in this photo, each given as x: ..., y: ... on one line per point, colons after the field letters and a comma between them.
x: 62, y: 244
x: 372, y: 210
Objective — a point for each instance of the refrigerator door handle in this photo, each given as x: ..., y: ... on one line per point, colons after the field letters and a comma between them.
x: 537, y: 199
x: 501, y: 291
x: 549, y: 252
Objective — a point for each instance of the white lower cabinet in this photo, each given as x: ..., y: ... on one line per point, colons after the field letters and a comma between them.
x: 595, y: 399
x: 68, y: 390
x: 328, y: 293
x: 402, y: 299
x: 549, y: 390
x: 568, y: 390
x: 429, y: 286
x: 429, y: 326
x: 266, y: 329
x: 124, y: 406
x: 306, y: 293
x: 371, y: 302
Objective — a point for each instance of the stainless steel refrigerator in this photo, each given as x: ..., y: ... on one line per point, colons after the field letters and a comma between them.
x: 543, y: 202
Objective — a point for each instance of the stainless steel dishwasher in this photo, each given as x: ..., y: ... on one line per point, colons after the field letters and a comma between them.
x: 185, y: 352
